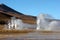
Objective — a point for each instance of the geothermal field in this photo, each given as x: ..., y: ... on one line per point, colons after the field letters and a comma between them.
x: 47, y: 28
x: 39, y: 35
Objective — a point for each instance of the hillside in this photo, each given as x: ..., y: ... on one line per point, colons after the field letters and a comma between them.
x: 9, y: 12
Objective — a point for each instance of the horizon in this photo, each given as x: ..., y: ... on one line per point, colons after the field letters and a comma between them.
x: 34, y: 7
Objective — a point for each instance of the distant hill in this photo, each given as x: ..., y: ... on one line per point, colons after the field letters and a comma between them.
x: 9, y: 12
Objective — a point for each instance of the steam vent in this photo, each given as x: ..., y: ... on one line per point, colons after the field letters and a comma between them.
x: 47, y: 22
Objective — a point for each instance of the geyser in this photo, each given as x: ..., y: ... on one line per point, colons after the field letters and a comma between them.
x: 15, y: 24
x: 43, y: 22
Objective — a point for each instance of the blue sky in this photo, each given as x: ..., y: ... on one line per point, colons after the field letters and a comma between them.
x: 35, y: 7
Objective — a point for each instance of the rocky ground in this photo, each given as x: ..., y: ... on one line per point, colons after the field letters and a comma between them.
x: 32, y: 36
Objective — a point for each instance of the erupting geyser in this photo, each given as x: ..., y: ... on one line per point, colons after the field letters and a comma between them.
x: 43, y: 22
x: 15, y: 24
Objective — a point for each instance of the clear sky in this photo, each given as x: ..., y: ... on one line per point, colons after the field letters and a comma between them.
x: 35, y: 7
